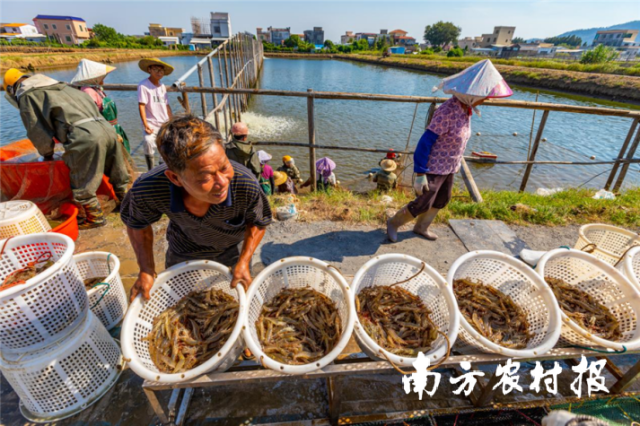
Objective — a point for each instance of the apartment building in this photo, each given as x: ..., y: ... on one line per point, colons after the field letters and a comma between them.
x: 68, y: 30
x: 501, y: 36
x: 315, y: 36
x: 616, y: 38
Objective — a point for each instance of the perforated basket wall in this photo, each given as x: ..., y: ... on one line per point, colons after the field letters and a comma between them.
x: 610, y: 242
x: 47, y: 307
x: 63, y: 379
x: 171, y: 286
x: 526, y: 288
x: 630, y: 266
x: 605, y: 284
x: 436, y: 295
x: 21, y: 218
x: 107, y: 303
x: 298, y: 272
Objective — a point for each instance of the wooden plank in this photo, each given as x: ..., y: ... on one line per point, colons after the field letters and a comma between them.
x: 312, y: 141
x: 625, y: 166
x: 629, y: 377
x: 155, y: 405
x: 623, y: 150
x: 487, y: 235
x: 469, y: 182
x: 184, y: 406
x: 534, y: 150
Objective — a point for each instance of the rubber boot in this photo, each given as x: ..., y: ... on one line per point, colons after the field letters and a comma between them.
x: 150, y: 163
x: 94, y: 216
x: 423, y: 223
x: 393, y: 224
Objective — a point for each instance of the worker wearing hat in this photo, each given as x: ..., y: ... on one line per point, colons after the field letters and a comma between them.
x: 53, y: 111
x: 153, y: 104
x: 240, y: 150
x: 385, y: 178
x: 284, y: 183
x: 290, y: 168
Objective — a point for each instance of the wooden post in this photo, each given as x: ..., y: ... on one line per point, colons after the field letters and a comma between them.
x: 226, y: 67
x: 214, y: 97
x: 203, y: 98
x: 469, y: 182
x: 534, y: 150
x: 625, y: 166
x: 226, y: 103
x: 614, y: 170
x: 312, y: 140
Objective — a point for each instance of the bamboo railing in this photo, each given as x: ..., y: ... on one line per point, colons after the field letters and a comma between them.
x: 239, y: 80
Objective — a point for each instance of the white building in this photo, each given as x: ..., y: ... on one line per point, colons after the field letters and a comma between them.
x: 23, y: 31
x: 169, y: 41
x: 220, y: 25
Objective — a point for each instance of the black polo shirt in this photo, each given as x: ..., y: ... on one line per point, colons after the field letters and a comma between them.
x: 224, y: 225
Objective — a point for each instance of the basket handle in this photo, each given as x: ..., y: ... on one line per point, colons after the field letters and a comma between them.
x: 424, y: 265
x: 104, y: 293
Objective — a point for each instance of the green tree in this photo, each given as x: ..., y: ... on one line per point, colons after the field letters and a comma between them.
x: 106, y: 34
x: 437, y: 49
x: 426, y: 52
x: 569, y: 41
x: 455, y: 52
x: 600, y: 55
x: 441, y: 33
x: 329, y: 44
x: 517, y: 40
x: 292, y: 41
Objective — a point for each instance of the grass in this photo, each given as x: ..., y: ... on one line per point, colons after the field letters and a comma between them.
x: 607, y: 68
x: 573, y: 206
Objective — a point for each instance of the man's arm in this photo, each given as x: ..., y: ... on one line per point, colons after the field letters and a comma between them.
x: 169, y: 111
x: 241, y: 273
x: 142, y: 242
x: 143, y: 117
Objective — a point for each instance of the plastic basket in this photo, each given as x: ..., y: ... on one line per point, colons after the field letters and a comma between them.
x: 70, y: 226
x: 525, y: 287
x: 298, y: 272
x: 171, y: 286
x: 429, y: 286
x: 605, y: 284
x: 108, y: 303
x: 21, y: 218
x: 630, y: 266
x: 606, y: 242
x: 63, y: 379
x: 48, y: 306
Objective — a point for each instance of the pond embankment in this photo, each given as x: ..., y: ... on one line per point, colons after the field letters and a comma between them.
x: 37, y: 58
x: 614, y: 87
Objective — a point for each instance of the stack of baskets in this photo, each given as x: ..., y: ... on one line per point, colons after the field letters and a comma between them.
x: 55, y: 353
x: 21, y: 218
x: 605, y: 242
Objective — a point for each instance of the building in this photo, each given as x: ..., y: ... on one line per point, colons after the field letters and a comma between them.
x: 501, y: 36
x: 279, y: 35
x: 469, y: 42
x: 398, y: 33
x: 405, y: 41
x: 157, y: 31
x: 263, y: 35
x: 348, y: 37
x: 315, y: 36
x: 68, y: 30
x: 370, y: 37
x: 168, y: 41
x: 220, y: 26
x: 616, y: 38
x: 22, y: 31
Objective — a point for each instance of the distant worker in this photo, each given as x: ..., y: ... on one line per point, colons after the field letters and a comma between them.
x: 392, y: 155
x: 283, y: 183
x: 325, y: 178
x: 385, y: 178
x: 439, y: 152
x: 53, y: 111
x: 241, y: 150
x: 90, y: 77
x: 267, y: 183
x: 153, y: 104
x: 289, y: 167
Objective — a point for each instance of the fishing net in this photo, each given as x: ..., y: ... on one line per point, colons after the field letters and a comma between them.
x: 526, y: 417
x: 617, y: 412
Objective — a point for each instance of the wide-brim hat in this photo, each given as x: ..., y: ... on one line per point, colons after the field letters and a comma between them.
x: 145, y: 63
x: 388, y: 165
x: 279, y: 178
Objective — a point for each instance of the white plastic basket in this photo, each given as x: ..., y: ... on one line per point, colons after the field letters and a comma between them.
x: 298, y: 272
x: 436, y: 295
x: 21, y: 217
x: 527, y: 290
x: 630, y: 266
x: 605, y: 284
x: 108, y: 303
x: 606, y: 242
x: 63, y: 379
x: 171, y: 286
x: 48, y: 306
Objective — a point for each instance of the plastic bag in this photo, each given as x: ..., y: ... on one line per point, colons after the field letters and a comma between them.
x: 604, y: 195
x: 545, y: 192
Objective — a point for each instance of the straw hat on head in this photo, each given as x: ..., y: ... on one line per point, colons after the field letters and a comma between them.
x: 145, y: 63
x: 279, y: 178
x: 286, y: 158
x: 388, y: 165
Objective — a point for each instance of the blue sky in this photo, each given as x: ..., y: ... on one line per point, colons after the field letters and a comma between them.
x: 533, y: 18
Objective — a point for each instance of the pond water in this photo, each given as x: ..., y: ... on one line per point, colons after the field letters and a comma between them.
x: 570, y: 137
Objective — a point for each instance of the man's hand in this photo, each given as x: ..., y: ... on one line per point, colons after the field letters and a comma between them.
x: 148, y: 130
x: 421, y: 184
x: 241, y: 275
x: 142, y: 286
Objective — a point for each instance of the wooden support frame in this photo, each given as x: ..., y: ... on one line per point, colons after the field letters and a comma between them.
x: 359, y: 364
x: 621, y: 155
x: 534, y: 150
x: 625, y: 166
x: 312, y: 141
